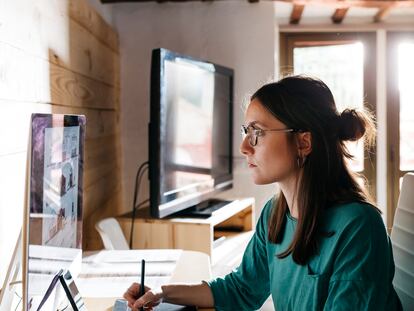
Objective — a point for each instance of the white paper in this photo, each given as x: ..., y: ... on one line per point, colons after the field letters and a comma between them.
x: 125, y: 256
x: 114, y: 287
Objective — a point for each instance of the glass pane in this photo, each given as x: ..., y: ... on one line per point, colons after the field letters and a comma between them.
x: 405, y: 81
x: 341, y: 67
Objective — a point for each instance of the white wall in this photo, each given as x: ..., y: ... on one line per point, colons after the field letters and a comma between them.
x: 239, y: 35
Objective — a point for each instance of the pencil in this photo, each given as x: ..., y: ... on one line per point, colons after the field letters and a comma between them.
x: 142, y: 288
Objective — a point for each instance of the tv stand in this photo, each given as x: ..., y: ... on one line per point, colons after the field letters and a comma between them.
x: 204, y: 209
x: 223, y: 235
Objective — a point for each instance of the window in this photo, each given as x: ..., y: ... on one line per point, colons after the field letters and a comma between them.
x: 346, y: 62
x: 400, y: 113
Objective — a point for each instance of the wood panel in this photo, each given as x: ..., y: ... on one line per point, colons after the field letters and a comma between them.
x: 107, y: 165
x: 25, y: 77
x: 48, y: 33
x: 82, y: 13
x: 91, y: 239
x: 148, y: 236
x: 58, y: 57
x: 98, y: 193
x: 196, y: 237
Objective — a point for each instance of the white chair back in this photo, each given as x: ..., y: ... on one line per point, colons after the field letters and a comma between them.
x: 111, y: 234
x: 402, y: 237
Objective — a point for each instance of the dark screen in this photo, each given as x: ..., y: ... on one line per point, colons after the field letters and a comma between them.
x: 195, y: 129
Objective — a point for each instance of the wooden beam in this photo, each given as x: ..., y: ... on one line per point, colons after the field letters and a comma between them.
x: 339, y: 15
x: 296, y: 13
x: 355, y: 3
x: 382, y: 13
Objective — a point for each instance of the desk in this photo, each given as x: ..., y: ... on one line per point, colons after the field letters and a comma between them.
x: 190, y: 266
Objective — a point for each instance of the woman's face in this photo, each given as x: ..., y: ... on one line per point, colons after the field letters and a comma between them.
x: 273, y: 159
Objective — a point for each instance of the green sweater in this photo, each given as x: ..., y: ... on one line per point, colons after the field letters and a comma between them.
x: 353, y: 270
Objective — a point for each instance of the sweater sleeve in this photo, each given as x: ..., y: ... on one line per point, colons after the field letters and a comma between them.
x: 247, y: 287
x: 364, y: 268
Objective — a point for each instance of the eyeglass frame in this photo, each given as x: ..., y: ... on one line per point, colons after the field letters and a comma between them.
x: 260, y: 132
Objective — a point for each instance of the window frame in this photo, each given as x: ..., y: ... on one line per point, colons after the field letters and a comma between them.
x: 289, y: 40
x: 393, y: 117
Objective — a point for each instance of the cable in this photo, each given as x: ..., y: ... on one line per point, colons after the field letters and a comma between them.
x: 140, y: 173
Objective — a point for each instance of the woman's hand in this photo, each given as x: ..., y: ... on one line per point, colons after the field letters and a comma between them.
x: 148, y: 301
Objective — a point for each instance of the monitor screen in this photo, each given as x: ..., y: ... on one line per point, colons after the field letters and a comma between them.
x: 53, y: 222
x: 190, y: 131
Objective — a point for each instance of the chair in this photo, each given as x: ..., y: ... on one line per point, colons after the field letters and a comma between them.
x: 111, y: 234
x: 402, y: 237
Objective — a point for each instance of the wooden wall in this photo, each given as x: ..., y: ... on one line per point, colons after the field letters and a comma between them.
x: 58, y: 56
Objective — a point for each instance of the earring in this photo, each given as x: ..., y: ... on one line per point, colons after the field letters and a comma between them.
x: 300, y: 161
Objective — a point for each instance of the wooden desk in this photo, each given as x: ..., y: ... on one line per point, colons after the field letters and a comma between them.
x: 191, y: 267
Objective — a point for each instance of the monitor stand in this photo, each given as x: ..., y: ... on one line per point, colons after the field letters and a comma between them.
x: 204, y: 209
x: 12, y: 279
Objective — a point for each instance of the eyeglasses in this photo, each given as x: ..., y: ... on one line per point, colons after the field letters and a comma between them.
x: 253, y: 133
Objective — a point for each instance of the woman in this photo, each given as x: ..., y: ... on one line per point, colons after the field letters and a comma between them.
x: 321, y: 245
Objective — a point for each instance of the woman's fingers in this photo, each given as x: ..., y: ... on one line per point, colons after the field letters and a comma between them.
x: 133, y: 293
x: 148, y: 301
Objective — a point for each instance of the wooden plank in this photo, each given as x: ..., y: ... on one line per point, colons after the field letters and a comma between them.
x: 339, y: 15
x: 91, y: 239
x: 22, y: 76
x: 382, y: 14
x: 81, y: 12
x: 48, y: 33
x: 88, y: 56
x: 147, y: 235
x: 242, y: 220
x: 106, y: 166
x: 72, y: 89
x: 27, y: 78
x: 354, y: 3
x: 194, y: 237
x: 296, y: 13
x: 97, y: 194
x: 97, y: 146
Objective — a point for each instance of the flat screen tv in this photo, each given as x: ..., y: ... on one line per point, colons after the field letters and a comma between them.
x: 190, y: 131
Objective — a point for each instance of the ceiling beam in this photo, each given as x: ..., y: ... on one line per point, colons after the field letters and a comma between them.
x: 332, y: 3
x: 296, y: 13
x: 339, y: 15
x: 354, y: 3
x: 382, y: 14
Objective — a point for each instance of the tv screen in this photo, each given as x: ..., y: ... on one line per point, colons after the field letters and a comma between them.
x: 190, y: 131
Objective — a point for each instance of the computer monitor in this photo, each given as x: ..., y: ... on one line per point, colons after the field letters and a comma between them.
x: 52, y: 228
x: 190, y: 131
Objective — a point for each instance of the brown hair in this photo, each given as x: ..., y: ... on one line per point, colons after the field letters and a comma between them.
x: 307, y: 104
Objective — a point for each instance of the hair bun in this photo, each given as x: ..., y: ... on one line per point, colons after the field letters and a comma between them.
x: 352, y: 124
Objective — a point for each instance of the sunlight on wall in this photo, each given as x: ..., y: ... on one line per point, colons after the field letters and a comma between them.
x: 25, y: 88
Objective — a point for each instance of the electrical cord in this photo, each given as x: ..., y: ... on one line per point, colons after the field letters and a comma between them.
x: 140, y: 173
